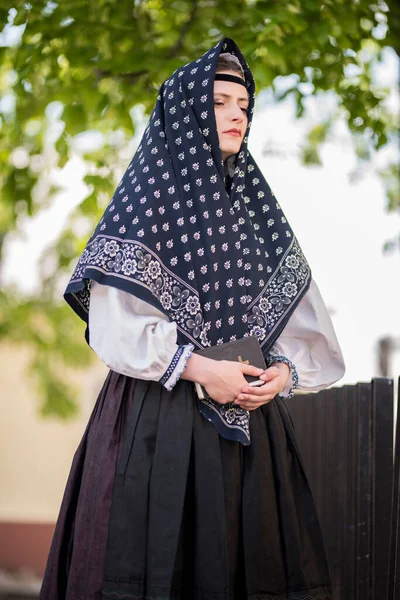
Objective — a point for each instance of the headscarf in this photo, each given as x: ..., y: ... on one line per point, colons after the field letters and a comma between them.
x: 221, y: 264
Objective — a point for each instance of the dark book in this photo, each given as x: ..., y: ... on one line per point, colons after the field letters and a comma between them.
x: 246, y: 350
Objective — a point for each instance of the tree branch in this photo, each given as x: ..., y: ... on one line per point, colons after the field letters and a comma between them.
x: 134, y: 76
x: 393, y: 18
x: 130, y: 77
x: 182, y: 34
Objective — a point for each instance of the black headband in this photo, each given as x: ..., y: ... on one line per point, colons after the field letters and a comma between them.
x: 231, y: 78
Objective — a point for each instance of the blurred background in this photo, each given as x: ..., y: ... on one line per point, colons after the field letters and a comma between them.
x: 77, y: 83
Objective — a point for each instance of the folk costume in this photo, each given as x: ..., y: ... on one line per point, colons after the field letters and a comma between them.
x: 171, y: 497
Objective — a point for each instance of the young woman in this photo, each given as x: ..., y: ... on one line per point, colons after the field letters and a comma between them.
x: 171, y: 497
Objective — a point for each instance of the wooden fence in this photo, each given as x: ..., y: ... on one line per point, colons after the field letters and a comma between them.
x: 346, y: 438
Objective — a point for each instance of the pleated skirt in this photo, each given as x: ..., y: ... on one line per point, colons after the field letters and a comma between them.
x: 158, y: 506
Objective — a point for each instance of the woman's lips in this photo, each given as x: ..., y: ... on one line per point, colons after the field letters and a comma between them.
x: 234, y: 133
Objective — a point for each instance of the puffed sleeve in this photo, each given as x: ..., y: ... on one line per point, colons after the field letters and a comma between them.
x: 308, y: 344
x: 134, y: 338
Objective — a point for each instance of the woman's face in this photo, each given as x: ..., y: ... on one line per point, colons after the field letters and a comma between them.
x: 230, y: 104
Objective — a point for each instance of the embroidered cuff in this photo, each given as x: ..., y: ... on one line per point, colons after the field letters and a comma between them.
x: 177, y: 366
x: 273, y: 358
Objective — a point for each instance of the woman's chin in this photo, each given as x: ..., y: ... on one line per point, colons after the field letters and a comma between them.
x: 230, y: 150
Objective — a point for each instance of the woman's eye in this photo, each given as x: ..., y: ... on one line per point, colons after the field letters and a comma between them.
x: 218, y: 103
x: 244, y: 110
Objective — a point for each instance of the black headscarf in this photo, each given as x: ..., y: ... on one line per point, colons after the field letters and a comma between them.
x: 221, y: 264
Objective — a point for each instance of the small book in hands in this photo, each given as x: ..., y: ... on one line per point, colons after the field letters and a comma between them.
x: 246, y: 350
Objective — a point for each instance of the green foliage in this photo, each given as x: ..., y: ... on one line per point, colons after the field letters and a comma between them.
x: 84, y: 65
x: 391, y: 175
x: 55, y: 335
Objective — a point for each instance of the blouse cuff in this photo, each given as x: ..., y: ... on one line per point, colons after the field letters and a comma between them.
x: 288, y: 392
x: 177, y: 366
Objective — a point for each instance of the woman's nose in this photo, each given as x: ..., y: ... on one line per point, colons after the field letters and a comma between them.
x: 237, y: 114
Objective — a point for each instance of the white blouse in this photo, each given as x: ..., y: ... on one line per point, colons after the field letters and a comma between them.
x: 134, y: 338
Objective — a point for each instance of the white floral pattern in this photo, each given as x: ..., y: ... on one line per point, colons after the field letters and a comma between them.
x: 228, y: 415
x: 138, y: 262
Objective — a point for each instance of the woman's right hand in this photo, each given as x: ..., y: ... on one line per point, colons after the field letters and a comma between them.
x: 223, y: 379
x: 226, y: 379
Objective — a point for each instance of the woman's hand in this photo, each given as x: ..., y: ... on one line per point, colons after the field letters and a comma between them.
x: 226, y: 379
x: 223, y: 379
x: 225, y: 382
x: 276, y: 377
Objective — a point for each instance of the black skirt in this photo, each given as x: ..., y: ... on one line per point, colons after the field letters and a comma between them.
x: 159, y: 507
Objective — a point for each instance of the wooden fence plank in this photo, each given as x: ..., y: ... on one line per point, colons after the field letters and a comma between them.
x: 350, y: 460
x: 382, y: 477
x: 394, y: 560
x: 363, y: 479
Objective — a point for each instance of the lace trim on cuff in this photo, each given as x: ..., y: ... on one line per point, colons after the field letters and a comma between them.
x: 177, y: 366
x: 273, y: 358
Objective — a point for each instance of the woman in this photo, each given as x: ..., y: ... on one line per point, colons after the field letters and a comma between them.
x: 170, y: 496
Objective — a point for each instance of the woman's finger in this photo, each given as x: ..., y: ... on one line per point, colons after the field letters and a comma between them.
x: 257, y: 397
x: 253, y: 401
x: 270, y: 373
x: 246, y: 405
x: 263, y: 390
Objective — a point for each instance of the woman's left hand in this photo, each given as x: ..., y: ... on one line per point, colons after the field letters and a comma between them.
x: 276, y: 377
